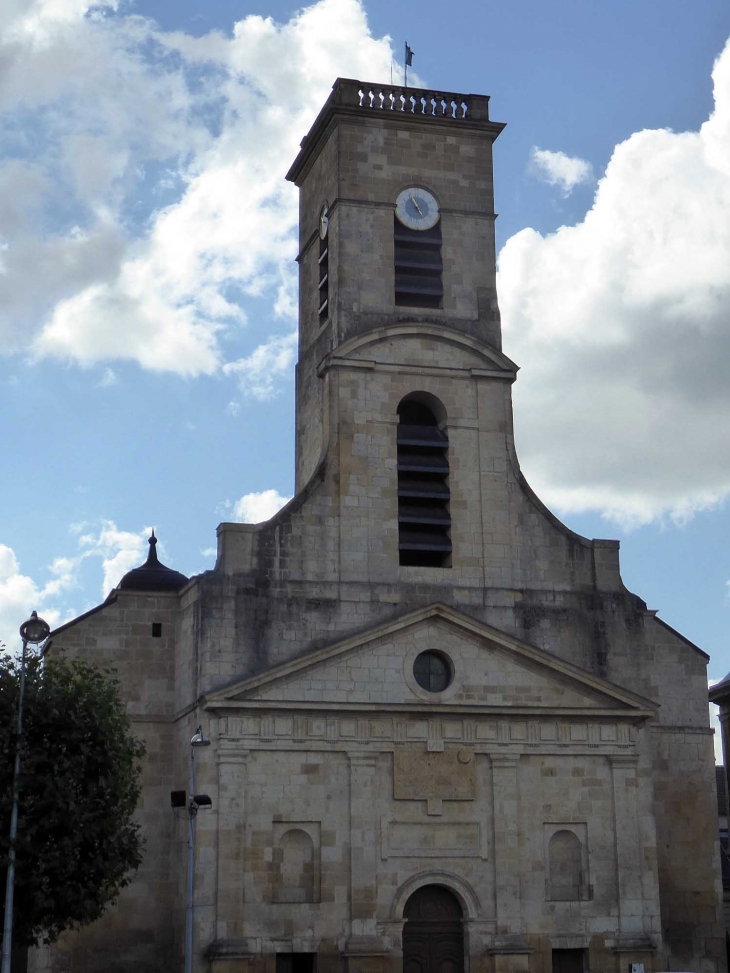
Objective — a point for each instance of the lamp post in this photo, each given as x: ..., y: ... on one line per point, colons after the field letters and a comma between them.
x: 32, y: 632
x: 198, y: 740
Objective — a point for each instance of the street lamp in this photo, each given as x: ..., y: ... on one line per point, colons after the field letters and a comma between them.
x: 32, y: 632
x: 194, y: 802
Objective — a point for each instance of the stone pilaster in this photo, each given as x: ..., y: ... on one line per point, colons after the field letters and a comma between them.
x: 506, y: 847
x: 509, y: 950
x: 231, y: 827
x: 628, y: 846
x: 363, y: 851
x: 633, y: 943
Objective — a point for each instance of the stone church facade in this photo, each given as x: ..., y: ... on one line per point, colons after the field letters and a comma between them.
x: 445, y: 736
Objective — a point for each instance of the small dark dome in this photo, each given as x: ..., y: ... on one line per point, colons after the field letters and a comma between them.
x: 152, y: 575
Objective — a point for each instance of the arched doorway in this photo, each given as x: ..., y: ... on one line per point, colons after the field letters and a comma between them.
x: 433, y: 934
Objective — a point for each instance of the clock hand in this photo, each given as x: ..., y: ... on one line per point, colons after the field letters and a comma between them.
x: 413, y: 200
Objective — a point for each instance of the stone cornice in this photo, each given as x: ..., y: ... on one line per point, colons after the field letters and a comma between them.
x: 392, y: 105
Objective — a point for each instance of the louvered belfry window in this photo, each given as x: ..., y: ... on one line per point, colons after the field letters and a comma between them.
x: 423, y: 487
x: 324, y: 287
x: 418, y: 266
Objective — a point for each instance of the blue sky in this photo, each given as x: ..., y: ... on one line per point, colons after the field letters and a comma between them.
x: 147, y: 287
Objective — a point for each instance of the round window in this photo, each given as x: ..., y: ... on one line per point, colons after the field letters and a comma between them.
x: 432, y: 671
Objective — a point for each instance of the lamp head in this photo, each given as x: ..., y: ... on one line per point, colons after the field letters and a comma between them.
x: 35, y: 630
x: 199, y: 739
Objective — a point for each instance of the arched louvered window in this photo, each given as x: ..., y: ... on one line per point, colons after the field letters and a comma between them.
x: 323, y: 276
x: 423, y: 483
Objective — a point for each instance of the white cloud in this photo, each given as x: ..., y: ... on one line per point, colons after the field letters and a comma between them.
x: 620, y: 324
x: 119, y: 550
x: 259, y: 374
x: 559, y: 169
x: 108, y: 378
x: 253, y: 508
x: 168, y: 153
x: 36, y: 20
x: 20, y: 595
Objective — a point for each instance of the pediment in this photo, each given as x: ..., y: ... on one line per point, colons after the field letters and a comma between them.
x: 414, y: 343
x: 492, y: 672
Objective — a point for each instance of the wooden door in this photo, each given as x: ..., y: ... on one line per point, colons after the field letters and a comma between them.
x: 433, y: 934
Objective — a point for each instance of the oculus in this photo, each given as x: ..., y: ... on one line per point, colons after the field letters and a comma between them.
x: 433, y: 671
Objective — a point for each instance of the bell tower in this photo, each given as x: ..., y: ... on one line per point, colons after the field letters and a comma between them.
x: 396, y: 225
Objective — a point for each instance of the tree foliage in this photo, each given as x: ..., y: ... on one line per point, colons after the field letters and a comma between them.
x: 78, y: 845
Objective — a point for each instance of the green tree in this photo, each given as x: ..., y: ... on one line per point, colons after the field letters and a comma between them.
x: 78, y: 844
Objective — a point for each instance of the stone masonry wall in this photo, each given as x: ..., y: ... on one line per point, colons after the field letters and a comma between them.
x: 118, y: 636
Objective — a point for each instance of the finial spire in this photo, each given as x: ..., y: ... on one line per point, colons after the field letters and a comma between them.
x: 152, y: 556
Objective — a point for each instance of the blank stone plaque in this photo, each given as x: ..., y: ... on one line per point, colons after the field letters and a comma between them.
x: 419, y: 775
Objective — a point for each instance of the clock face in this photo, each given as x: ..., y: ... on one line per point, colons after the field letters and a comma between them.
x: 323, y: 221
x: 417, y: 209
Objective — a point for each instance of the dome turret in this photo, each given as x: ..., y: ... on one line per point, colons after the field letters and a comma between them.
x: 153, y: 575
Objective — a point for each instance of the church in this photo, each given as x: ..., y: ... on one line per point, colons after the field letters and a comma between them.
x: 443, y: 735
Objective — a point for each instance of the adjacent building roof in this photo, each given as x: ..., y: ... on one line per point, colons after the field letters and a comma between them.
x: 720, y: 690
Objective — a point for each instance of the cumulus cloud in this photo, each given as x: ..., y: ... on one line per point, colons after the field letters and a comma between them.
x: 155, y: 204
x: 118, y: 550
x: 621, y: 326
x: 80, y: 111
x: 36, y: 19
x: 260, y: 373
x: 559, y: 169
x: 20, y: 594
x: 254, y: 508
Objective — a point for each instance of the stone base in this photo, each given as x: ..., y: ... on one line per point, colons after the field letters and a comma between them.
x: 229, y: 956
x: 373, y: 963
x: 509, y: 954
x: 365, y: 954
x: 630, y: 950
